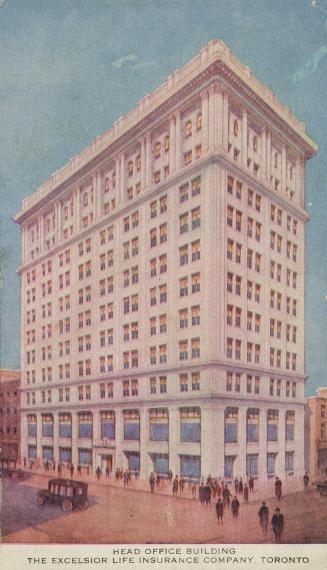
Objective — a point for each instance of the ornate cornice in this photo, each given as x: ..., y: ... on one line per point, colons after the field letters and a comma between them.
x: 230, y: 73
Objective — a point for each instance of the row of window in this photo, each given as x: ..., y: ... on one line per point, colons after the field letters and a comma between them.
x: 236, y: 382
x: 190, y: 425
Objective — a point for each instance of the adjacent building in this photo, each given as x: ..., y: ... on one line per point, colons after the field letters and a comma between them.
x: 162, y: 286
x: 317, y: 434
x: 9, y: 413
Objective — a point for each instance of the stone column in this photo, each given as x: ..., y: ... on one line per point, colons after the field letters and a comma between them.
x: 219, y: 437
x: 178, y: 140
x: 77, y: 198
x: 41, y: 233
x: 74, y: 439
x: 172, y: 143
x: 244, y: 138
x: 148, y: 161
x: 56, y: 225
x: 96, y: 437
x: 218, y: 97
x: 225, y: 120
x: 24, y: 243
x: 121, y: 188
x: 95, y: 184
x: 263, y: 444
x: 39, y: 437
x: 119, y: 437
x: 144, y: 437
x: 264, y: 152
x: 268, y: 155
x: 207, y: 441
x: 212, y: 118
x: 99, y: 211
x: 117, y: 170
x: 280, y: 463
x: 283, y: 176
x: 143, y: 160
x: 56, y: 436
x: 240, y: 461
x: 174, y: 439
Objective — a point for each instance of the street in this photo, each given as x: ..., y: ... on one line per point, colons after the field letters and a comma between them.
x: 119, y: 515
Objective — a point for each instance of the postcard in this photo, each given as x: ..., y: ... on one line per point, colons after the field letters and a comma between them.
x: 163, y: 284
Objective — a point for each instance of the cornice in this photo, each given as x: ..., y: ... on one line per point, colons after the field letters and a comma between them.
x: 214, y: 62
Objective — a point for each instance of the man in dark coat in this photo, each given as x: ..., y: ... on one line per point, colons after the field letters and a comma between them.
x: 79, y: 469
x: 278, y: 488
x: 240, y: 486
x: 170, y: 476
x: 264, y: 516
x: 71, y: 471
x: 306, y: 480
x: 278, y: 524
x: 152, y: 481
x: 236, y: 485
x: 226, y: 496
x: 246, y: 493
x: 175, y: 486
x: 220, y: 511
x: 235, y: 507
x: 59, y: 469
x: 98, y: 473
x: 207, y: 495
x: 107, y: 471
x: 251, y: 484
x: 201, y: 493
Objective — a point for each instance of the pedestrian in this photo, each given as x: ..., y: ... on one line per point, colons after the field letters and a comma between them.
x: 306, y: 480
x: 98, y: 473
x: 226, y: 496
x: 175, y: 486
x: 194, y: 490
x: 170, y: 476
x: 264, y: 517
x: 207, y: 495
x: 219, y: 511
x: 129, y: 477
x: 278, y: 524
x: 107, y: 471
x: 79, y: 470
x: 251, y: 484
x: 125, y: 478
x: 54, y: 465
x: 235, y: 507
x: 24, y: 461
x: 152, y: 481
x: 71, y: 470
x: 59, y: 469
x: 246, y: 493
x: 181, y: 485
x: 218, y: 490
x: 201, y: 493
x: 236, y: 485
x: 158, y: 480
x: 189, y: 484
x: 278, y: 488
x: 240, y: 486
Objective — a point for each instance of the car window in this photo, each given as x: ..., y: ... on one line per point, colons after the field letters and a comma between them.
x: 69, y: 491
x: 80, y: 490
x: 63, y: 491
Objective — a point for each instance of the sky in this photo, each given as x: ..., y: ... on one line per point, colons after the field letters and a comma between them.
x: 70, y: 68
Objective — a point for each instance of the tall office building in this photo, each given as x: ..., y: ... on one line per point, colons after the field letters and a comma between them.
x: 162, y: 285
x: 9, y: 413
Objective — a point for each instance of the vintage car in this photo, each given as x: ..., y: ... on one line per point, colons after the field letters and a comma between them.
x: 66, y: 493
x: 8, y: 469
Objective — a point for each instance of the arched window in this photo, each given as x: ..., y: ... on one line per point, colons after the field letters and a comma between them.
x: 235, y: 128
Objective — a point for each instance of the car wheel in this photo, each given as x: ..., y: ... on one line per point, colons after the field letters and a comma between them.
x: 67, y: 506
x: 40, y: 500
x: 85, y: 504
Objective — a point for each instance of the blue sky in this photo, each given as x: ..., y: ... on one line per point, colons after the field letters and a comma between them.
x: 70, y: 68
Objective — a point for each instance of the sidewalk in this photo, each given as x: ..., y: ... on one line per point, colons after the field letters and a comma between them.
x: 261, y: 492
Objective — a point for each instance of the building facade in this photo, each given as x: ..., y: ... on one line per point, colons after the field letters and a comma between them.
x: 9, y: 413
x: 317, y: 434
x: 162, y: 286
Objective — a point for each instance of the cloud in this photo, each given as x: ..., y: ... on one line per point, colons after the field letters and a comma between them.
x: 310, y: 66
x: 125, y: 60
x: 131, y: 61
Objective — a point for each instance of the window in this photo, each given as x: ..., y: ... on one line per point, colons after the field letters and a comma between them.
x: 188, y: 128
x: 183, y: 382
x: 195, y: 282
x: 183, y: 193
x: 231, y: 420
x: 183, y: 255
x: 163, y: 384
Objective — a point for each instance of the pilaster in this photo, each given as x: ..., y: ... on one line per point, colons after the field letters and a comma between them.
x: 74, y: 439
x: 205, y: 120
x: 178, y: 140
x: 144, y: 436
x: 280, y: 463
x: 225, y: 120
x: 244, y: 138
x: 263, y: 444
x: 174, y: 438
